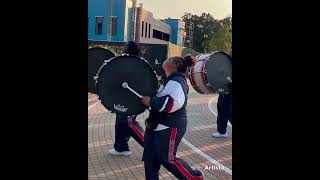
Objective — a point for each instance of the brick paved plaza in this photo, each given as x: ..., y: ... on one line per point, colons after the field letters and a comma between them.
x: 198, y: 148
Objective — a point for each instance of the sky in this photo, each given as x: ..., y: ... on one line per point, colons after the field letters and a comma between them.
x: 176, y: 8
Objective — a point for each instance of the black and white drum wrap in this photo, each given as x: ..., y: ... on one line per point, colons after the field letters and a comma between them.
x: 212, y: 73
x: 133, y: 70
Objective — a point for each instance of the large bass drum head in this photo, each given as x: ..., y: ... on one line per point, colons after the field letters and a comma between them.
x: 137, y: 73
x: 218, y: 69
x: 96, y: 57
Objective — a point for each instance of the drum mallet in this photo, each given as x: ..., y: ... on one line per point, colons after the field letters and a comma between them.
x: 126, y: 86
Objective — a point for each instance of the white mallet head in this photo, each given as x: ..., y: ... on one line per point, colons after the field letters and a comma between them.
x: 125, y: 85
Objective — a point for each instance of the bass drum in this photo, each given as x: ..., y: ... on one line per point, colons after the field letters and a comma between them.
x: 96, y: 57
x: 139, y: 75
x: 212, y: 73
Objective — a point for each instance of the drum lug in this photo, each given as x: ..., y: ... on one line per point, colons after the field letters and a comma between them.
x: 95, y: 77
x: 106, y: 61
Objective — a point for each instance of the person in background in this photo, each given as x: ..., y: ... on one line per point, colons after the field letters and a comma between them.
x: 224, y: 107
x: 127, y: 126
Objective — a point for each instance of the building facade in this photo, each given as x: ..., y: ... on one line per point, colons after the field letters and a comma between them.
x: 150, y: 30
x: 122, y: 21
x: 189, y: 34
x: 178, y: 33
x: 111, y: 20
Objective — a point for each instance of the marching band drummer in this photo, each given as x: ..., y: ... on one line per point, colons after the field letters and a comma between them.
x: 127, y: 126
x: 224, y: 107
x: 167, y: 123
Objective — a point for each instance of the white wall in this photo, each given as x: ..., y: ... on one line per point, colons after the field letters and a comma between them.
x: 155, y: 24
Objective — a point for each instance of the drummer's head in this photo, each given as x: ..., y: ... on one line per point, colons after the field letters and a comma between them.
x: 132, y: 48
x: 178, y: 64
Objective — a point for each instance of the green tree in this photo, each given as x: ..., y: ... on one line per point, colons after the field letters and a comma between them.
x: 205, y: 26
x: 222, y: 39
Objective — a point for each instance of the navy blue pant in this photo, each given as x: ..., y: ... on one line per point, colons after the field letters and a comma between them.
x: 125, y: 128
x: 224, y: 107
x: 160, y: 148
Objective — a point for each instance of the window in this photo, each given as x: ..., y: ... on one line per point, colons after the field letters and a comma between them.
x: 99, y: 22
x: 142, y: 29
x: 161, y: 35
x: 113, y: 25
x: 146, y: 29
x: 149, y: 30
x: 165, y: 37
x: 157, y: 34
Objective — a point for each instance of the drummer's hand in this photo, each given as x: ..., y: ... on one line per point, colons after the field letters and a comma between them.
x: 146, y: 101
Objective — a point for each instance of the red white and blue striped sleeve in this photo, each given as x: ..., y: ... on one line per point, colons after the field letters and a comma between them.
x: 170, y: 99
